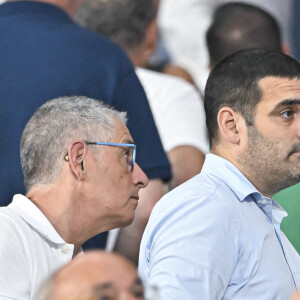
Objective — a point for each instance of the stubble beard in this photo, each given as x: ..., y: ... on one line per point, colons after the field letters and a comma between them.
x: 267, y: 163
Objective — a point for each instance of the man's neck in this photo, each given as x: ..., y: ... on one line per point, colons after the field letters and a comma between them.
x: 255, y: 175
x: 56, y: 205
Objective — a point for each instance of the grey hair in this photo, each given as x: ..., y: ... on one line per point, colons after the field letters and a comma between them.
x: 52, y: 128
x: 123, y: 21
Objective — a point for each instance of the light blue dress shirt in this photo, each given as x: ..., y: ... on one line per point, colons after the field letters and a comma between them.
x: 217, y: 237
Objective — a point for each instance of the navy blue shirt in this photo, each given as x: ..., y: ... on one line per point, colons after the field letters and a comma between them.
x: 43, y: 55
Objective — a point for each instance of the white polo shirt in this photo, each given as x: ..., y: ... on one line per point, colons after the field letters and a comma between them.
x: 30, y: 249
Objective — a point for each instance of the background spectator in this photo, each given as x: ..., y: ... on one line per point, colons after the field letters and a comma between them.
x: 95, y: 275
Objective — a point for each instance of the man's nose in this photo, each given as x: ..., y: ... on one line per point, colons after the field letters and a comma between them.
x: 298, y: 127
x: 139, y: 177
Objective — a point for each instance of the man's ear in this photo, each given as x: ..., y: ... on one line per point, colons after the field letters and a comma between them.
x: 76, y: 158
x: 151, y: 38
x: 229, y: 127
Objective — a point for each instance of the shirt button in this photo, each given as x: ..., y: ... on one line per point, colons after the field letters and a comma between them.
x: 264, y: 202
x: 65, y: 249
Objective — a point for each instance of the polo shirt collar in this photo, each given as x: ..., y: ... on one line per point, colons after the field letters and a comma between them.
x: 29, y: 212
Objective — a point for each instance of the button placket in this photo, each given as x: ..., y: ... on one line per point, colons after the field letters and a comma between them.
x: 65, y: 249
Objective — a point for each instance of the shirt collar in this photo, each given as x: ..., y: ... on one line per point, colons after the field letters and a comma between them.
x: 228, y: 173
x: 29, y: 212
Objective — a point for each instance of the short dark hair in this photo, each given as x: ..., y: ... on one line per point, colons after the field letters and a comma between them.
x: 238, y: 26
x: 234, y: 81
x: 122, y: 21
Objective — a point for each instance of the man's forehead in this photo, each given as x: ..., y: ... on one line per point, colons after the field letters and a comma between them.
x: 276, y: 88
x: 122, y: 133
x: 271, y: 82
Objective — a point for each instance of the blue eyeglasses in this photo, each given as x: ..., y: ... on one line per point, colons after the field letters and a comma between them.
x: 131, y: 151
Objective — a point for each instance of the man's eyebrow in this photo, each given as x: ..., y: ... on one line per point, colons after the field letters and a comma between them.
x: 104, y: 285
x: 286, y: 102
x: 138, y: 280
x: 127, y: 141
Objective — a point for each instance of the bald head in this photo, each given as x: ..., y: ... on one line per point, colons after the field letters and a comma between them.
x: 93, y: 275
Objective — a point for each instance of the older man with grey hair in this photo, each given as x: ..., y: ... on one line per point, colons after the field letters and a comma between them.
x: 78, y: 160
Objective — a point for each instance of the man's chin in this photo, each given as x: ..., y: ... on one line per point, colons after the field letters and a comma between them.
x: 128, y: 221
x: 295, y: 179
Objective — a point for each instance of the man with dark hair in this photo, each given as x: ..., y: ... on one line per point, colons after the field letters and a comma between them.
x: 176, y: 105
x: 236, y: 26
x: 218, y: 235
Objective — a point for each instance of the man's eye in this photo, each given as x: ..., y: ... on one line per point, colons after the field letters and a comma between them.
x: 105, y: 297
x: 127, y: 155
x: 139, y: 295
x: 288, y: 114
